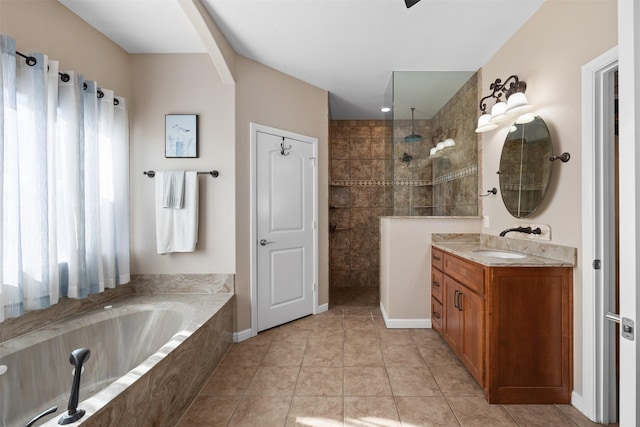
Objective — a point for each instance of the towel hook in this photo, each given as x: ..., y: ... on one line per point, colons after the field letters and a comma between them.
x: 493, y: 191
x: 282, y: 148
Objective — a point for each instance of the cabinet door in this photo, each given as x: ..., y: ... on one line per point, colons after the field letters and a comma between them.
x: 452, y: 317
x: 472, y: 333
x: 436, y: 284
x: 437, y: 319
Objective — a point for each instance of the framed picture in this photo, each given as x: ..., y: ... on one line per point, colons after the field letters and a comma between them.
x: 181, y: 135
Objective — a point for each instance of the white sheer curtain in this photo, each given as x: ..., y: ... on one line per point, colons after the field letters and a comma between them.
x: 64, y: 184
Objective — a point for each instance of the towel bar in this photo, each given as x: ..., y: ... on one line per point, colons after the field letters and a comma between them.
x: 214, y: 174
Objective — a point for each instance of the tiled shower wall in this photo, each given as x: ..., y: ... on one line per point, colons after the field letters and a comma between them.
x: 455, y: 172
x: 412, y: 175
x: 360, y: 192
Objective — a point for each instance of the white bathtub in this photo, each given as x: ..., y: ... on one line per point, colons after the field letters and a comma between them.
x: 131, y: 340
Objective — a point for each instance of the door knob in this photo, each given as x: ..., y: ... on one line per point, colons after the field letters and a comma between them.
x: 264, y: 242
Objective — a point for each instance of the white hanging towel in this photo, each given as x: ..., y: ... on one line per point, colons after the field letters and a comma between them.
x: 173, y: 189
x: 177, y: 229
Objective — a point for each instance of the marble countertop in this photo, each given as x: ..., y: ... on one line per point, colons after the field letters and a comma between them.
x: 536, y: 256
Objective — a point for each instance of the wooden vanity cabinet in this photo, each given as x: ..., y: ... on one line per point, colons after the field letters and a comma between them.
x: 529, y: 342
x: 437, y: 290
x: 463, y: 312
x: 510, y: 326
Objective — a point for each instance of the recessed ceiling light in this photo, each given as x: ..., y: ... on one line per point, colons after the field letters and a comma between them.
x: 385, y: 109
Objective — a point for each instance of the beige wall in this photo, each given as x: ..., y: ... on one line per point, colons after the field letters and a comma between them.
x: 47, y: 26
x: 548, y: 53
x: 405, y: 265
x: 182, y: 84
x: 268, y: 97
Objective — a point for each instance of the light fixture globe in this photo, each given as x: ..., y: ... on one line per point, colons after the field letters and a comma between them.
x: 525, y: 118
x: 499, y: 112
x: 518, y: 104
x: 484, y: 125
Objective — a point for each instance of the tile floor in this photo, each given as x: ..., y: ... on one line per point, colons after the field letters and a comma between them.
x: 344, y: 368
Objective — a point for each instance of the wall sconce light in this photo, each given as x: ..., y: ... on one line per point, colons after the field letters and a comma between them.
x: 515, y: 103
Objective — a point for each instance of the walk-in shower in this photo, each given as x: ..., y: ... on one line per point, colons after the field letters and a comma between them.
x: 430, y: 108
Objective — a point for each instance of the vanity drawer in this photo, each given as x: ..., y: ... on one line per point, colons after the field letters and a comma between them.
x: 437, y: 258
x: 436, y: 315
x: 466, y: 272
x: 437, y: 280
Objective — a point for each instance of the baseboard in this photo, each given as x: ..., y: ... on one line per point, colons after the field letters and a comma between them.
x: 578, y: 402
x: 242, y: 335
x: 404, y: 323
x: 322, y: 308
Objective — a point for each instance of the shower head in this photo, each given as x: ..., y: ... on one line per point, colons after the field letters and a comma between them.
x: 414, y: 137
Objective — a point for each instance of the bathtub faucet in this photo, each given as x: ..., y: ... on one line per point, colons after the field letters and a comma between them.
x: 77, y: 358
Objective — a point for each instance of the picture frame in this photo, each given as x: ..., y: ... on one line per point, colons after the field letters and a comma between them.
x: 181, y: 136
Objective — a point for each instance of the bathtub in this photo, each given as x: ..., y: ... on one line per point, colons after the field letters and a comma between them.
x: 150, y: 355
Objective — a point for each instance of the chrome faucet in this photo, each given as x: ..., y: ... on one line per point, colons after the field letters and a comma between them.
x: 77, y: 358
x: 527, y: 230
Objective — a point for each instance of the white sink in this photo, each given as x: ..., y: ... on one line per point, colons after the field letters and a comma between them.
x: 500, y: 254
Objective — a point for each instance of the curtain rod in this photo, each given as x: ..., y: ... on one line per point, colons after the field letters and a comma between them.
x: 31, y: 61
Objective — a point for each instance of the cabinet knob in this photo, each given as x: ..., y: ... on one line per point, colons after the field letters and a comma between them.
x: 436, y: 284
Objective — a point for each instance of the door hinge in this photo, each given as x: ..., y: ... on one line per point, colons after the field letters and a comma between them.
x: 315, y: 287
x: 313, y: 161
x: 597, y: 264
x: 314, y: 224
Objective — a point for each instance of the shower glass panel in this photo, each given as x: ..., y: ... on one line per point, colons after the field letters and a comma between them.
x: 438, y: 106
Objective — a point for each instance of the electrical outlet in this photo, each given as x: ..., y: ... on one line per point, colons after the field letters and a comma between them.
x: 486, y: 221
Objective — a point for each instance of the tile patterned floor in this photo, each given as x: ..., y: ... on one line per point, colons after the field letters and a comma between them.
x: 343, y: 368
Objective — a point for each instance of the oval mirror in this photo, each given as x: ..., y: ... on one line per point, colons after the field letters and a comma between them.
x: 525, y: 168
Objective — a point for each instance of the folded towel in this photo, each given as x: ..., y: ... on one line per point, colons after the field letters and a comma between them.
x: 173, y: 189
x: 177, y: 229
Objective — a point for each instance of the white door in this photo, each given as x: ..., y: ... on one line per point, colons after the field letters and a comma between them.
x: 629, y: 104
x: 285, y: 229
x: 599, y: 239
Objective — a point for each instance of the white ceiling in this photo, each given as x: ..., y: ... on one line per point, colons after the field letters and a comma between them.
x: 348, y: 47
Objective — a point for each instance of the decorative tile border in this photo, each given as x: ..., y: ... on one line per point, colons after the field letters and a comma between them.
x: 517, y: 187
x: 461, y: 173
x: 413, y: 183
x: 383, y: 183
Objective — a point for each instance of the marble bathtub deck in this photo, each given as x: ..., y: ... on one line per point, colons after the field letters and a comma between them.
x: 343, y: 368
